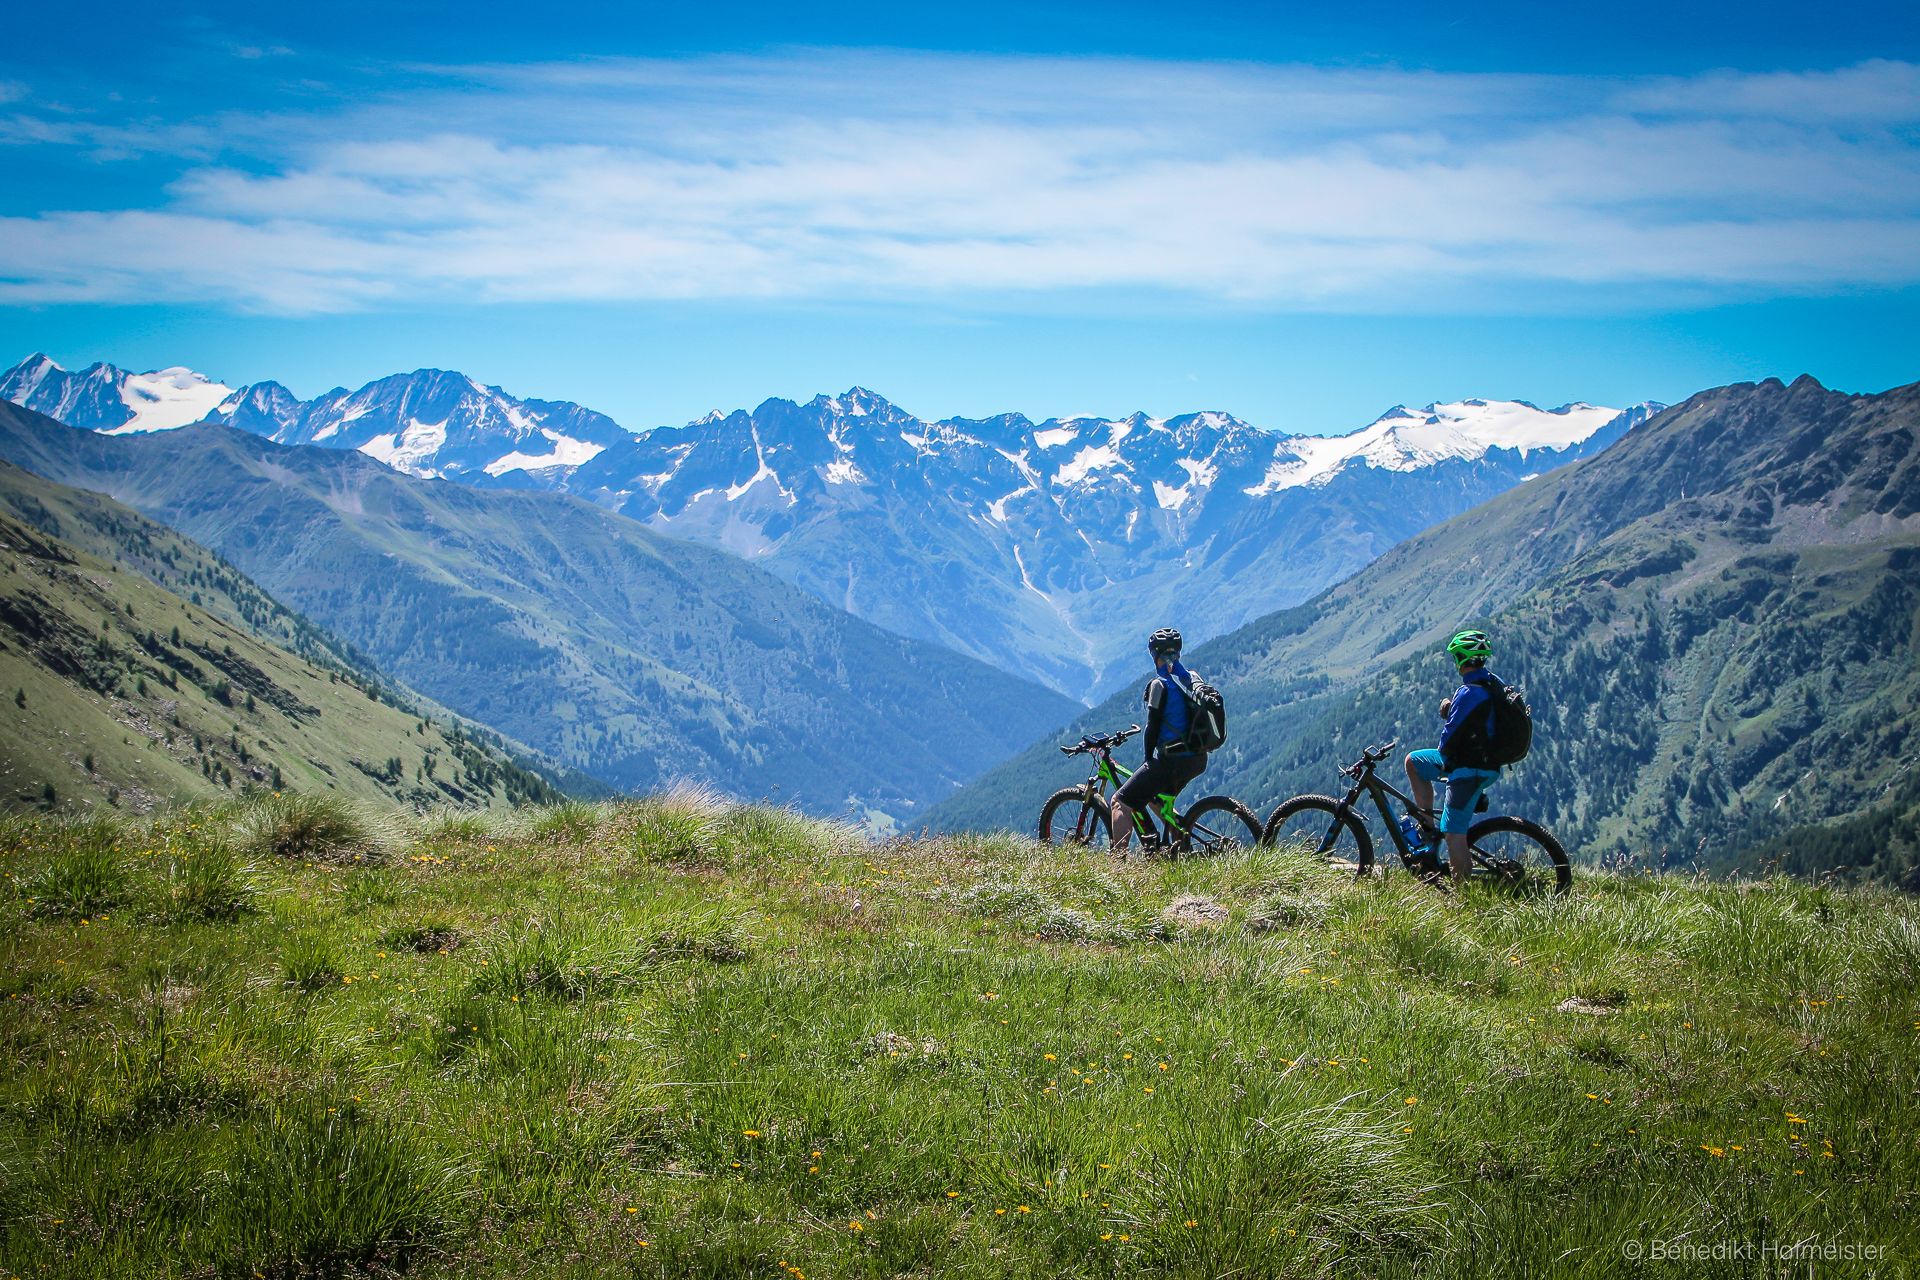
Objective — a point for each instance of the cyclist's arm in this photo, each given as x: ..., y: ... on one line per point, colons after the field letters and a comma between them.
x: 1156, y: 698
x: 1466, y: 701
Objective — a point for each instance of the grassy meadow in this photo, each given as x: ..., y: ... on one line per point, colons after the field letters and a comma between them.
x: 684, y: 1038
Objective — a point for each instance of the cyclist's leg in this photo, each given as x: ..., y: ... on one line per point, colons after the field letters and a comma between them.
x: 1136, y: 795
x: 1464, y: 787
x: 1182, y: 768
x: 1424, y: 768
x: 1192, y: 765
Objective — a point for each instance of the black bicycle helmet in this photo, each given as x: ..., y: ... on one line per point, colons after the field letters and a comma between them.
x: 1164, y: 641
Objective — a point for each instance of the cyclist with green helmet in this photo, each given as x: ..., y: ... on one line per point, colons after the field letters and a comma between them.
x: 1461, y: 757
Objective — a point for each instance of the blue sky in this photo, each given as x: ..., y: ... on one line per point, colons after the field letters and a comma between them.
x: 1301, y: 215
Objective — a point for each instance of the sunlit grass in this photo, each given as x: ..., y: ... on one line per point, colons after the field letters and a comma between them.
x: 682, y: 1037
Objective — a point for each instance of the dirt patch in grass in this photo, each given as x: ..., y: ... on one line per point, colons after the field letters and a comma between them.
x: 1196, y: 912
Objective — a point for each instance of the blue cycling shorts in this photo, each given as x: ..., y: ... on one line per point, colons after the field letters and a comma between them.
x: 1464, y: 786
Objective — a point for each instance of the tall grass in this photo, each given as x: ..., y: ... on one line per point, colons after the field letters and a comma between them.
x: 83, y: 871
x: 678, y: 828
x: 569, y: 822
x: 204, y: 879
x: 309, y: 963
x: 762, y: 1046
x: 449, y: 825
x: 315, y: 827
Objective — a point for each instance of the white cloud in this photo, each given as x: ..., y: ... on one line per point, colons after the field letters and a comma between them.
x: 1877, y: 91
x: 851, y: 174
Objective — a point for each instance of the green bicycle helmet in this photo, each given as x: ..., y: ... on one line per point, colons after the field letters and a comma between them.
x: 1470, y: 646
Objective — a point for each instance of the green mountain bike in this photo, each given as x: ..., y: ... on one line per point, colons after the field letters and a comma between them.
x: 1082, y: 814
x: 1506, y: 850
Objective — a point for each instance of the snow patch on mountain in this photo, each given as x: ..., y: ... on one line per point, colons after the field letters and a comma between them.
x: 1200, y: 477
x: 566, y: 452
x: 406, y: 450
x: 168, y: 398
x: 1094, y: 457
x: 1402, y: 439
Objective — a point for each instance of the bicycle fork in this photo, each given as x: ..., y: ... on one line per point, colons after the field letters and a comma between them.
x: 1347, y: 808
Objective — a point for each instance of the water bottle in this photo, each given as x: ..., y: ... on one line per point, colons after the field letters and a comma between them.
x: 1410, y: 831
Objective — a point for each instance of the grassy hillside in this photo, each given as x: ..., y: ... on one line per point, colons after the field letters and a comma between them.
x: 1718, y: 620
x: 632, y: 656
x: 108, y: 531
x: 122, y: 693
x: 678, y: 1038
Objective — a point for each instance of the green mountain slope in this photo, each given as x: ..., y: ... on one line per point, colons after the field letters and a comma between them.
x: 1716, y: 620
x: 122, y: 537
x: 120, y: 691
x: 105, y: 529
x: 610, y: 648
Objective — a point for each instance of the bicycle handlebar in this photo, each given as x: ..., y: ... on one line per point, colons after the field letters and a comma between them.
x: 1103, y: 742
x: 1371, y: 756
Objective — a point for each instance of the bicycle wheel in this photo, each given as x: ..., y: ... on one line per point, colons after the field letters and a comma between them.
x: 1216, y: 825
x: 1071, y: 817
x: 1314, y: 826
x: 1518, y: 854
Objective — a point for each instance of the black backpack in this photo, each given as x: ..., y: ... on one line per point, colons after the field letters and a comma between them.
x: 1206, y: 716
x: 1510, y: 734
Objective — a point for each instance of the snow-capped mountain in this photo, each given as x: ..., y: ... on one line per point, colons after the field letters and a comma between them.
x: 101, y: 397
x: 1051, y: 547
x: 427, y: 423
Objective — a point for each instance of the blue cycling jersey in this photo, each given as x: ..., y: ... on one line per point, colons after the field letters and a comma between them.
x: 1166, y: 696
x: 1472, y: 712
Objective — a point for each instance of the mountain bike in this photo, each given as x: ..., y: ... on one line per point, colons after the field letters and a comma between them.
x: 1506, y: 850
x: 1082, y: 814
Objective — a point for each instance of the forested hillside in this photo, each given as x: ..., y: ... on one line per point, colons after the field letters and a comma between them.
x: 124, y: 694
x: 1715, y: 619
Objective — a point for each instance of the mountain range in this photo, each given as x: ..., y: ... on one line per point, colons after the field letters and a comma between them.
x: 1044, y: 548
x: 637, y: 658
x: 1717, y: 621
x: 1054, y: 547
x: 426, y: 423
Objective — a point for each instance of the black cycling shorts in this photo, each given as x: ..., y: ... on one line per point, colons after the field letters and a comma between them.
x: 1165, y: 774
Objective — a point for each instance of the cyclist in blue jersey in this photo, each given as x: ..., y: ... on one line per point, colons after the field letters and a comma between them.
x: 1169, y: 765
x: 1461, y: 756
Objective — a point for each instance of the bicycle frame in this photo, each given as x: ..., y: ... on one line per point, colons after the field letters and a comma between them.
x: 1108, y: 772
x: 1371, y: 783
